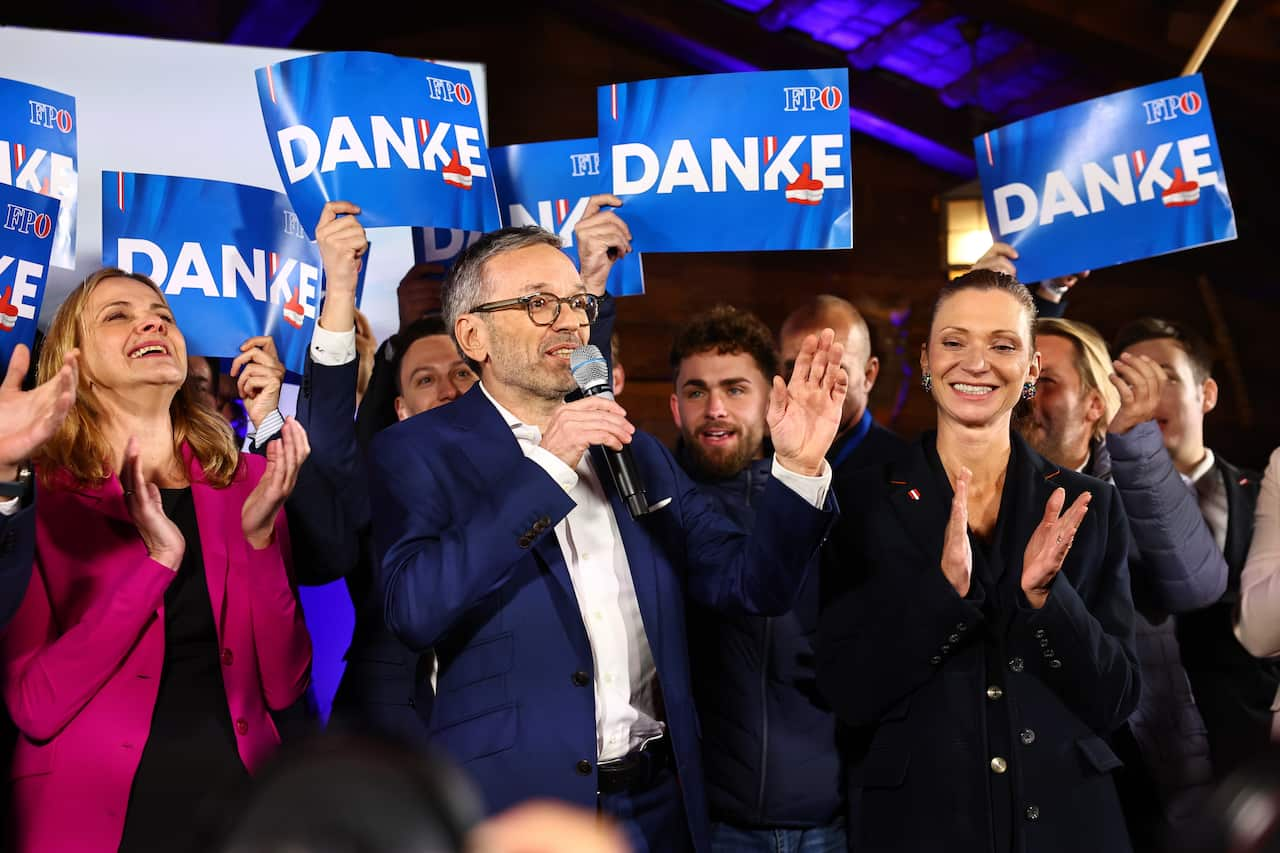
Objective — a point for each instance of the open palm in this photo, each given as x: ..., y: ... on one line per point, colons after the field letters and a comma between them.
x: 804, y: 414
x: 30, y: 418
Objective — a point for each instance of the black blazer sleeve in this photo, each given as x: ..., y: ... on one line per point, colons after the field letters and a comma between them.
x: 330, y: 503
x: 882, y: 629
x: 1081, y: 642
x: 17, y: 553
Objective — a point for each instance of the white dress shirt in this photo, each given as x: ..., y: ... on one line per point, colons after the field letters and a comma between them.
x: 589, y: 539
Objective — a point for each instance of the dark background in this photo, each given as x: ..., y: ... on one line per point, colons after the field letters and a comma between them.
x: 943, y: 70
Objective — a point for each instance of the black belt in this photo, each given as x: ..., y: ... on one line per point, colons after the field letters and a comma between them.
x: 636, y: 770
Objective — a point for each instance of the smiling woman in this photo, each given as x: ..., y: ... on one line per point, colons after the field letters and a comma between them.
x: 138, y: 682
x: 977, y: 636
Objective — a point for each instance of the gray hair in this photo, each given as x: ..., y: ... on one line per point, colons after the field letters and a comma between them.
x: 465, y: 286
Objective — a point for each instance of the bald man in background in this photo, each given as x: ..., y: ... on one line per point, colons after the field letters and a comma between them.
x: 861, y: 442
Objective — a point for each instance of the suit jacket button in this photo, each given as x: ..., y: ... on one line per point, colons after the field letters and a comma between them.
x: 1016, y: 664
x: 994, y: 692
x: 525, y: 541
x: 581, y: 679
x: 1032, y: 812
x: 584, y: 767
x: 935, y: 660
x: 1027, y: 736
x: 227, y: 657
x: 544, y: 522
x: 242, y: 726
x: 999, y: 765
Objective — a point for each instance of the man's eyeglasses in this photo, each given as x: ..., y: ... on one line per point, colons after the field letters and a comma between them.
x: 544, y: 308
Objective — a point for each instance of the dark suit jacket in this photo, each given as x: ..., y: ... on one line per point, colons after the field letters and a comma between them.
x: 384, y: 689
x: 386, y: 686
x: 1233, y: 689
x: 464, y: 526
x: 935, y: 687
x: 17, y: 553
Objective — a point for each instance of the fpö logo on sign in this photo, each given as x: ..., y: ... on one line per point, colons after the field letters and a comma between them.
x: 1171, y: 107
x: 49, y: 116
x: 448, y: 91
x: 24, y: 220
x: 1127, y: 179
x: 752, y: 164
x: 806, y: 99
x: 585, y: 164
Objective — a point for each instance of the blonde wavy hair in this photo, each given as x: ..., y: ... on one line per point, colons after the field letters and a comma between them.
x: 1092, y: 362
x: 80, y: 447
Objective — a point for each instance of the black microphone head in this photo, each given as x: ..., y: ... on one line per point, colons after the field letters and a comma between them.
x: 590, y: 370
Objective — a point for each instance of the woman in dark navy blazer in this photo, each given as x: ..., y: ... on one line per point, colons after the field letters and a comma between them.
x: 977, y: 631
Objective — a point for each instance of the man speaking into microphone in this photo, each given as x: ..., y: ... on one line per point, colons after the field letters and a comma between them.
x: 558, y: 618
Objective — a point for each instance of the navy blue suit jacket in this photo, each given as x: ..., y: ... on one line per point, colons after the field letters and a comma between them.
x: 17, y: 552
x: 464, y: 528
x: 383, y: 688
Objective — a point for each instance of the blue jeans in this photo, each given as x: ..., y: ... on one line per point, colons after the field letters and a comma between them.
x: 726, y: 838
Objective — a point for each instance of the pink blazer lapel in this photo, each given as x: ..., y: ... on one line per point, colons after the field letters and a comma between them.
x: 106, y: 497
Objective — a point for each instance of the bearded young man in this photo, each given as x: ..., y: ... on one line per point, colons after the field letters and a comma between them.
x: 768, y: 741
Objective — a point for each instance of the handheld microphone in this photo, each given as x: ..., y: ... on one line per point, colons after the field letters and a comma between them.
x: 591, y: 372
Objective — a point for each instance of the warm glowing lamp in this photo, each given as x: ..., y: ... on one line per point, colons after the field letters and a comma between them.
x: 965, y: 234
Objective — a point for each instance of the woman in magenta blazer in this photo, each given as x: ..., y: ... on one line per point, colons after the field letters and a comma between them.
x: 160, y: 624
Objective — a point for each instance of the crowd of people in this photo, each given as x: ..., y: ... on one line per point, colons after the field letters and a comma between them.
x: 1045, y: 625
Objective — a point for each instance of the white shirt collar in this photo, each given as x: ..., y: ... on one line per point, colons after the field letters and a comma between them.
x: 511, y: 419
x: 1205, y: 466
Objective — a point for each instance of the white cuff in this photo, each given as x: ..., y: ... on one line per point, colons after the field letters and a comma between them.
x: 10, y: 506
x: 812, y: 489
x: 564, y: 476
x: 270, y: 425
x: 333, y: 349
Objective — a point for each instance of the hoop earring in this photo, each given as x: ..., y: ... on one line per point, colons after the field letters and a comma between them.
x: 926, y: 382
x: 1028, y: 390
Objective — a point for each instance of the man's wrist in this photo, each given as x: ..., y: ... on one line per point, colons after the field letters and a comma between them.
x: 270, y: 426
x: 796, y: 466
x: 1051, y: 292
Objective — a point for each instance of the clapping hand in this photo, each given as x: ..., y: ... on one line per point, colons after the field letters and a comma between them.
x: 30, y: 418
x: 804, y: 414
x: 284, y: 459
x: 164, y: 541
x: 1050, y: 543
x: 957, y: 554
